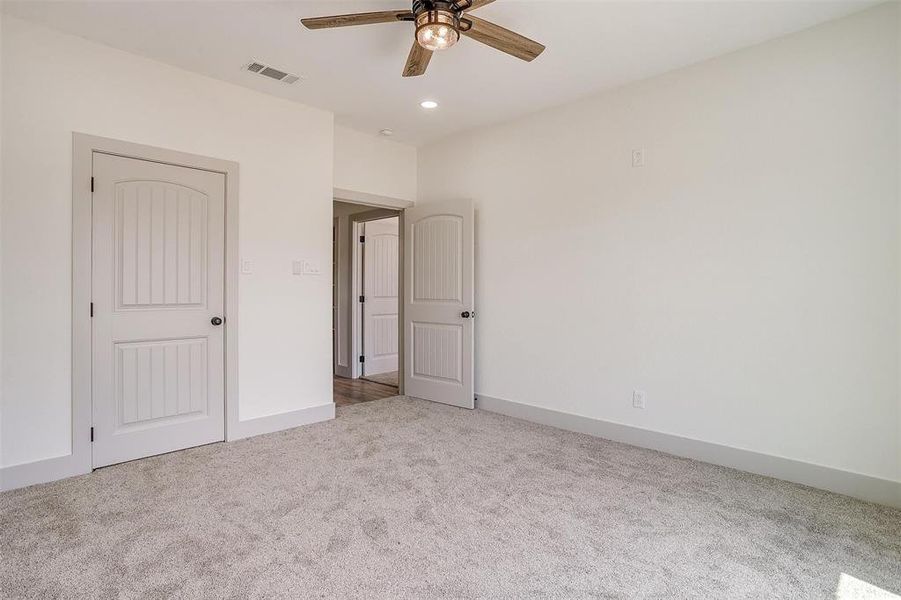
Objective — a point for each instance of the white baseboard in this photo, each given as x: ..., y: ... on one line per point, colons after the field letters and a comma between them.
x: 53, y: 469
x: 288, y: 420
x: 864, y: 487
x: 40, y: 471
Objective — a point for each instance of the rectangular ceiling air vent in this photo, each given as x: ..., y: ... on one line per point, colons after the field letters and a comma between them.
x: 271, y: 72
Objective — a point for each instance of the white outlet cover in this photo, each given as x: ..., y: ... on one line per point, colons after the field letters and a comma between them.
x: 639, y: 398
x: 638, y: 156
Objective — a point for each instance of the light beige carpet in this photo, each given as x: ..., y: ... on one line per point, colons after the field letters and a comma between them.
x: 400, y: 498
x: 384, y: 378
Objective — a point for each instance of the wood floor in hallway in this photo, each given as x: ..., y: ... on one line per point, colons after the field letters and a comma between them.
x: 355, y: 391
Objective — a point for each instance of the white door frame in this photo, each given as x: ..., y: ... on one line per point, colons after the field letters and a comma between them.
x: 84, y: 147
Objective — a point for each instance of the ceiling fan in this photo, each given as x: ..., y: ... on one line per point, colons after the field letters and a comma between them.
x: 439, y: 25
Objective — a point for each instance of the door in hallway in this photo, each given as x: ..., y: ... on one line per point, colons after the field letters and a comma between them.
x: 380, y: 308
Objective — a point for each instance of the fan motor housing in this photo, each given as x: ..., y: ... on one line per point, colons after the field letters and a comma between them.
x: 421, y: 6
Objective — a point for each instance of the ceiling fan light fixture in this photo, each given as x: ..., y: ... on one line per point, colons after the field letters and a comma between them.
x: 437, y: 29
x: 439, y: 25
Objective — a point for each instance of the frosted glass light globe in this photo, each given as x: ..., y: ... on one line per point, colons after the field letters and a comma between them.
x: 436, y: 30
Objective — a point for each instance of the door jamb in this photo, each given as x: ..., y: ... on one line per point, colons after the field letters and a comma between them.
x: 83, y: 148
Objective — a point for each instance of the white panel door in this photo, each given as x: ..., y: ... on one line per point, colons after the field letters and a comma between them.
x: 380, y: 308
x: 158, y: 294
x: 438, y: 303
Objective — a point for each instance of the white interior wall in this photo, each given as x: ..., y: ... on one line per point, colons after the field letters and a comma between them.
x: 747, y: 278
x: 54, y: 84
x: 374, y: 165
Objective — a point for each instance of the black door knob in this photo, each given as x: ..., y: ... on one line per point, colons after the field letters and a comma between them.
x: 216, y: 321
x: 465, y: 314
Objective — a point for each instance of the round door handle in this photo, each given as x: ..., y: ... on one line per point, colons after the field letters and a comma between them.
x: 216, y: 321
x: 465, y: 314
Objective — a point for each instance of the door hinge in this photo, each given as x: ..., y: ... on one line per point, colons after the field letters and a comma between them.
x: 362, y: 359
x: 362, y: 298
x: 92, y: 184
x: 92, y: 434
x: 362, y: 239
x: 92, y: 310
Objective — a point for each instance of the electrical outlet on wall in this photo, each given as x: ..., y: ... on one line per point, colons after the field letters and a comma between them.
x: 638, y: 399
x: 638, y: 157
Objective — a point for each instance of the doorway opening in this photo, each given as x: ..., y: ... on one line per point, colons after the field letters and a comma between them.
x: 366, y: 284
x: 403, y: 300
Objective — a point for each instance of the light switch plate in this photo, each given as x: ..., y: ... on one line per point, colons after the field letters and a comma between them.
x: 297, y: 267
x: 247, y: 267
x: 311, y: 267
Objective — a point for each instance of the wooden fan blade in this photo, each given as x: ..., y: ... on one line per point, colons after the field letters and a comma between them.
x: 478, y: 4
x: 417, y: 61
x: 369, y: 18
x: 502, y: 39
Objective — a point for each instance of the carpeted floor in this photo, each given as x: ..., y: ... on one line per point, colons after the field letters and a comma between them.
x: 400, y: 498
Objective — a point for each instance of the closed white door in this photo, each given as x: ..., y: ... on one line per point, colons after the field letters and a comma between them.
x: 380, y: 307
x: 438, y: 303
x: 158, y: 300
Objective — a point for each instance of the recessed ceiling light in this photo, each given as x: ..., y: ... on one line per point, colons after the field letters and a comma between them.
x: 386, y: 132
x: 429, y: 104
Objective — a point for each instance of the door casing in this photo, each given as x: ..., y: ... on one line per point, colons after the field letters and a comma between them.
x: 84, y: 147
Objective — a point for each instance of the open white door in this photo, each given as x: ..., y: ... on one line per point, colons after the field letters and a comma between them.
x: 438, y: 303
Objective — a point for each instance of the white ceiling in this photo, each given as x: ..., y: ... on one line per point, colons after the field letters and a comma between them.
x: 356, y: 72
